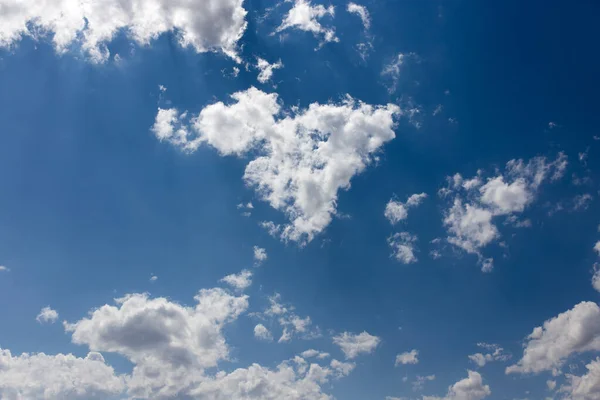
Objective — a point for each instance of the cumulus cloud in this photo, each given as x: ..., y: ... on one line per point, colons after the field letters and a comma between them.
x: 409, y: 357
x: 204, y: 25
x: 240, y: 281
x: 266, y: 69
x: 353, y: 345
x: 572, y: 332
x: 260, y: 255
x: 41, y: 376
x: 290, y: 322
x: 476, y: 203
x: 302, y: 158
x: 396, y: 211
x: 47, y: 315
x: 314, y: 353
x: 362, y: 12
x: 261, y: 332
x: 495, y: 353
x: 585, y: 387
x: 470, y: 388
x: 342, y: 368
x: 403, y: 247
x: 305, y: 16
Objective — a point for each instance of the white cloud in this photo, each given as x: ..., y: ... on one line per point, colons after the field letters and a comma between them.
x: 355, y: 344
x: 470, y: 388
x: 396, y: 211
x: 261, y: 332
x: 403, y: 247
x: 469, y: 219
x: 266, y: 69
x: 496, y: 353
x: 303, y: 158
x: 314, y: 353
x: 41, y: 376
x: 409, y: 357
x: 596, y: 277
x: 394, y: 68
x: 204, y: 25
x: 290, y: 322
x: 342, y: 368
x: 260, y: 255
x: 153, y: 278
x: 47, y: 314
x: 585, y: 387
x: 551, y: 384
x: 305, y: 16
x: 4, y: 269
x: 419, y: 382
x: 571, y: 332
x: 582, y: 201
x: 597, y: 247
x: 362, y: 12
x: 240, y: 281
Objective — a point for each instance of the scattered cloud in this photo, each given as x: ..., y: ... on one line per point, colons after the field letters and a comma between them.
x: 302, y: 160
x: 260, y: 255
x: 353, y: 345
x: 585, y: 387
x: 203, y: 25
x: 470, y: 388
x: 551, y: 385
x: 262, y: 333
x: 240, y: 281
x: 246, y: 209
x: 153, y: 278
x: 396, y: 211
x: 409, y: 357
x: 4, y: 269
x: 362, y: 12
x: 419, y: 382
x: 314, y: 353
x: 266, y: 69
x: 495, y: 353
x: 305, y: 16
x: 290, y: 322
x: 582, y: 201
x: 572, y: 332
x: 394, y: 68
x: 47, y: 315
x: 403, y: 247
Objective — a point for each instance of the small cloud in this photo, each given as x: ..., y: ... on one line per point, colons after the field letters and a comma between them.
x: 162, y: 88
x: 262, y: 333
x: 266, y: 69
x: 409, y: 357
x: 153, y: 278
x: 239, y: 281
x: 552, y: 125
x: 353, y: 345
x: 4, y: 269
x: 260, y: 255
x: 47, y: 315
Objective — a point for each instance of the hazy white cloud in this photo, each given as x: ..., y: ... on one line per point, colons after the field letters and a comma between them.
x: 582, y: 201
x: 419, y: 382
x: 4, y: 269
x: 204, y: 25
x: 290, y: 322
x: 596, y: 277
x: 362, y: 12
x: 396, y: 211
x: 260, y: 255
x: 495, y: 353
x: 353, y: 345
x: 409, y: 357
x: 303, y: 158
x: 47, y: 315
x: 266, y: 69
x: 342, y: 368
x: 551, y: 384
x: 314, y: 353
x: 571, y: 332
x: 470, y: 388
x: 305, y: 16
x: 262, y: 333
x: 597, y: 247
x: 41, y: 376
x: 240, y: 281
x: 153, y: 278
x: 403, y: 247
x: 393, y: 69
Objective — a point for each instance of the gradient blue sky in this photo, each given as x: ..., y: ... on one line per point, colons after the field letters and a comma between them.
x: 93, y: 204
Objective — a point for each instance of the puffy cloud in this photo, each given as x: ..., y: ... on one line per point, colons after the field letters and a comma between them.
x: 585, y: 387
x: 314, y: 353
x: 266, y: 69
x: 205, y: 25
x: 239, y: 281
x: 353, y: 345
x: 571, y: 332
x: 47, y: 314
x: 596, y: 277
x: 409, y: 357
x: 261, y: 332
x: 597, y: 247
x: 305, y: 16
x: 362, y: 12
x: 496, y: 353
x: 302, y: 158
x: 469, y: 219
x: 342, y: 368
x: 470, y: 388
x: 260, y: 255
x: 291, y: 323
x: 41, y: 376
x: 403, y: 247
x: 396, y: 211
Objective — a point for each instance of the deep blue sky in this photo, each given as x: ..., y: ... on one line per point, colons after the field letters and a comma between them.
x: 92, y: 203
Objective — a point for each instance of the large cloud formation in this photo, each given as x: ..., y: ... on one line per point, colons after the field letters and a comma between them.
x: 205, y: 25
x: 302, y: 157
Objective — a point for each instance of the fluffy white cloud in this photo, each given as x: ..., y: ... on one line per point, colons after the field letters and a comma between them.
x: 261, y: 332
x: 291, y: 323
x: 470, y: 388
x: 305, y: 16
x: 41, y: 376
x: 571, y: 332
x: 403, y: 247
x: 585, y: 387
x: 205, y: 25
x: 362, y: 12
x: 240, y: 281
x: 469, y: 219
x: 266, y: 69
x: 260, y: 255
x: 47, y: 314
x: 355, y: 344
x: 396, y: 211
x: 409, y: 357
x: 342, y: 368
x: 303, y: 157
x: 314, y: 353
x: 496, y: 353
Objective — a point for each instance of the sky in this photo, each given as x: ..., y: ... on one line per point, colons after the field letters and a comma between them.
x: 246, y: 199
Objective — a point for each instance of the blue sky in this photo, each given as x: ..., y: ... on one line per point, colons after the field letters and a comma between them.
x: 423, y: 182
